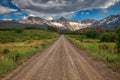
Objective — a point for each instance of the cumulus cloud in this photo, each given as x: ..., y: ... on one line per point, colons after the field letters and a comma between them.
x: 54, y: 7
x: 49, y: 18
x: 5, y: 10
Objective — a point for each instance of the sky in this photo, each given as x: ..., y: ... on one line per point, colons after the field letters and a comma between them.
x: 70, y: 9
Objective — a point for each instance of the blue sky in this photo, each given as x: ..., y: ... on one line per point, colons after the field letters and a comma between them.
x: 12, y: 11
x: 71, y: 9
x: 96, y: 13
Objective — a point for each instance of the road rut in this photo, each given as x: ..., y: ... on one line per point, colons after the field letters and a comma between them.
x: 60, y: 61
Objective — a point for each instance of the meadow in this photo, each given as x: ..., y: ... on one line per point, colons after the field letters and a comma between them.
x: 16, y: 46
x: 98, y: 50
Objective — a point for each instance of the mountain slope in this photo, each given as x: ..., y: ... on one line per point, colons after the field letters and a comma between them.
x: 109, y: 22
x: 8, y: 23
x: 33, y: 20
x: 61, y: 23
x: 89, y: 21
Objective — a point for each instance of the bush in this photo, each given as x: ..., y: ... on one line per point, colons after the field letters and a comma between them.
x: 103, y: 47
x: 107, y: 37
x: 6, y: 51
x: 19, y: 30
x: 118, y: 39
x: 91, y: 34
x: 16, y: 56
x: 110, y: 60
x: 52, y: 28
x: 6, y: 65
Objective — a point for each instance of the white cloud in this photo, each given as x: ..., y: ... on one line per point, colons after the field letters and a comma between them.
x: 109, y: 3
x: 7, y: 19
x: 49, y: 18
x: 54, y: 7
x: 5, y: 10
x: 25, y: 17
x: 32, y: 15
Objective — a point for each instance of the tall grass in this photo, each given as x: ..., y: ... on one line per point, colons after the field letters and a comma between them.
x: 16, y: 48
x: 13, y: 36
x: 103, y: 51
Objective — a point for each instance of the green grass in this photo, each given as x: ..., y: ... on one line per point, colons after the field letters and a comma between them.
x: 16, y: 48
x: 13, y: 36
x: 103, y: 51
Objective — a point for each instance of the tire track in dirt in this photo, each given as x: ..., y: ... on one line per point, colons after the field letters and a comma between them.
x: 60, y: 61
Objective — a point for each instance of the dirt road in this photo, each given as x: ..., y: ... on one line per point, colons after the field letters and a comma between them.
x: 60, y: 61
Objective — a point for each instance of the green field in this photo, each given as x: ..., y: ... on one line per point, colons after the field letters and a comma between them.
x: 16, y: 47
x: 103, y: 51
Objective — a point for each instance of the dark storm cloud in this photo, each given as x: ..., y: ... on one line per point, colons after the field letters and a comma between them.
x: 53, y: 7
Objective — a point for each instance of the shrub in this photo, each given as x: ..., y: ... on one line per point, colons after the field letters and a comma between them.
x: 19, y: 30
x: 107, y: 37
x: 91, y: 34
x: 16, y: 56
x: 6, y: 51
x: 6, y: 65
x: 103, y: 47
x: 110, y: 60
x: 118, y: 39
x: 52, y: 28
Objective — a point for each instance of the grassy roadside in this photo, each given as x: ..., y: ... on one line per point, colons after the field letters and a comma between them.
x: 103, y: 51
x: 28, y: 43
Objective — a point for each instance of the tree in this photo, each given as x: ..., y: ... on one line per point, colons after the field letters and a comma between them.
x: 118, y: 39
x: 107, y: 37
x: 99, y: 30
x: 19, y: 30
x: 91, y: 33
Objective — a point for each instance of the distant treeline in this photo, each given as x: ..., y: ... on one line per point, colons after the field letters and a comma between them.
x: 14, y: 28
x: 104, y: 35
x: 50, y: 28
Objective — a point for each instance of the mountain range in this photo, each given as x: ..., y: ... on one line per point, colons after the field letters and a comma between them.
x: 63, y: 23
x: 108, y: 22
